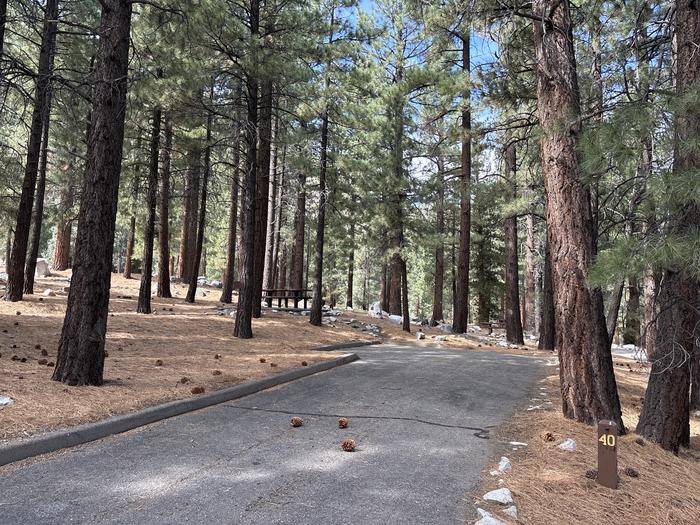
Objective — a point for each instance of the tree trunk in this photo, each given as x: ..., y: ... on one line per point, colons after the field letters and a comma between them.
x: 3, y: 20
x: 588, y: 387
x: 282, y: 267
x: 406, y: 318
x: 81, y: 346
x: 529, y: 314
x: 230, y: 270
x: 614, y: 310
x: 439, y: 279
x: 665, y: 414
x: 272, y: 197
x: 547, y: 329
x: 244, y: 312
x: 383, y: 289
x: 316, y: 316
x: 144, y: 302
x: 192, y: 289
x: 351, y: 259
x: 131, y: 239
x: 18, y: 257
x: 61, y: 254
x: 263, y: 192
x: 280, y: 222
x: 514, y: 328
x: 38, y: 215
x: 190, y: 198
x: 461, y: 300
x: 163, y: 286
x: 297, y: 271
x: 631, y: 334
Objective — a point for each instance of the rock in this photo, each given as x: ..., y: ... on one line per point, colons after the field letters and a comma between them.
x: 42, y: 268
x: 420, y: 336
x: 504, y: 465
x: 696, y: 414
x: 375, y: 310
x: 441, y: 338
x: 446, y: 328
x: 49, y: 293
x: 396, y: 319
x: 487, y: 519
x: 216, y: 284
x: 517, y: 444
x: 6, y: 401
x: 511, y: 511
x: 568, y: 444
x: 503, y: 496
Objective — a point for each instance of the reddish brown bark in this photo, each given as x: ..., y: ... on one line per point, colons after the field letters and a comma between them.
x: 296, y: 277
x: 665, y: 414
x: 588, y: 387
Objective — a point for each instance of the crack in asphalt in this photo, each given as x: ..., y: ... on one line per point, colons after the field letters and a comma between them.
x: 481, y: 433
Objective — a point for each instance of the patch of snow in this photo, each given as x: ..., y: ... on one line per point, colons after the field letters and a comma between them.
x: 568, y: 444
x: 503, y: 496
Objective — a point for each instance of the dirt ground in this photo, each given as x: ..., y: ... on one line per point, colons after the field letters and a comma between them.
x: 550, y: 485
x: 186, y: 338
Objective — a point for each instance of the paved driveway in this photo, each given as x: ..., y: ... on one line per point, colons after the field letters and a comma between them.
x: 420, y: 416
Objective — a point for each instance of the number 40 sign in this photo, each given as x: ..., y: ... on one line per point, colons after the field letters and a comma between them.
x: 607, y: 453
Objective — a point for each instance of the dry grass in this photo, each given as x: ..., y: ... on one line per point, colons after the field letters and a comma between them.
x: 550, y: 485
x: 186, y: 338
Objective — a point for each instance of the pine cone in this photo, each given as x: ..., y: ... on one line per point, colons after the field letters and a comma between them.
x: 348, y: 445
x: 343, y: 422
x: 296, y: 421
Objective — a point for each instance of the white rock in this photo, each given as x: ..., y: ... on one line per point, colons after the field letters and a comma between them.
x: 511, y: 511
x: 495, y: 473
x: 216, y: 284
x: 49, y: 293
x: 487, y: 519
x: 517, y: 444
x: 42, y: 268
x: 375, y: 310
x: 503, y: 496
x: 504, y: 465
x: 446, y: 328
x: 420, y: 336
x: 6, y: 401
x: 396, y: 319
x: 482, y: 513
x: 568, y: 444
x: 441, y: 338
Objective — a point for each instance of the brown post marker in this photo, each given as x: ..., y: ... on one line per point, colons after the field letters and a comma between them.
x: 608, y: 434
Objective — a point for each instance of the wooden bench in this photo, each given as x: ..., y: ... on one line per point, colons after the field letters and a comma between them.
x: 285, y: 294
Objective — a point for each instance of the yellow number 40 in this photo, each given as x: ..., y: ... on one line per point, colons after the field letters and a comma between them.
x: 607, y: 439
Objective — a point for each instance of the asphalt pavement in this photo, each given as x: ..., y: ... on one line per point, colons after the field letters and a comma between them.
x: 422, y: 419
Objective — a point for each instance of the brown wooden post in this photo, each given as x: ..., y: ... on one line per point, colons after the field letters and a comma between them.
x: 608, y: 433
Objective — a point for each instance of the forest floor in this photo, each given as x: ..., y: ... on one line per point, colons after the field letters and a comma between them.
x: 186, y: 338
x: 551, y: 485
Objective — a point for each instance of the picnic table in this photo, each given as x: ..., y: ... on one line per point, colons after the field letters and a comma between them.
x: 285, y: 294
